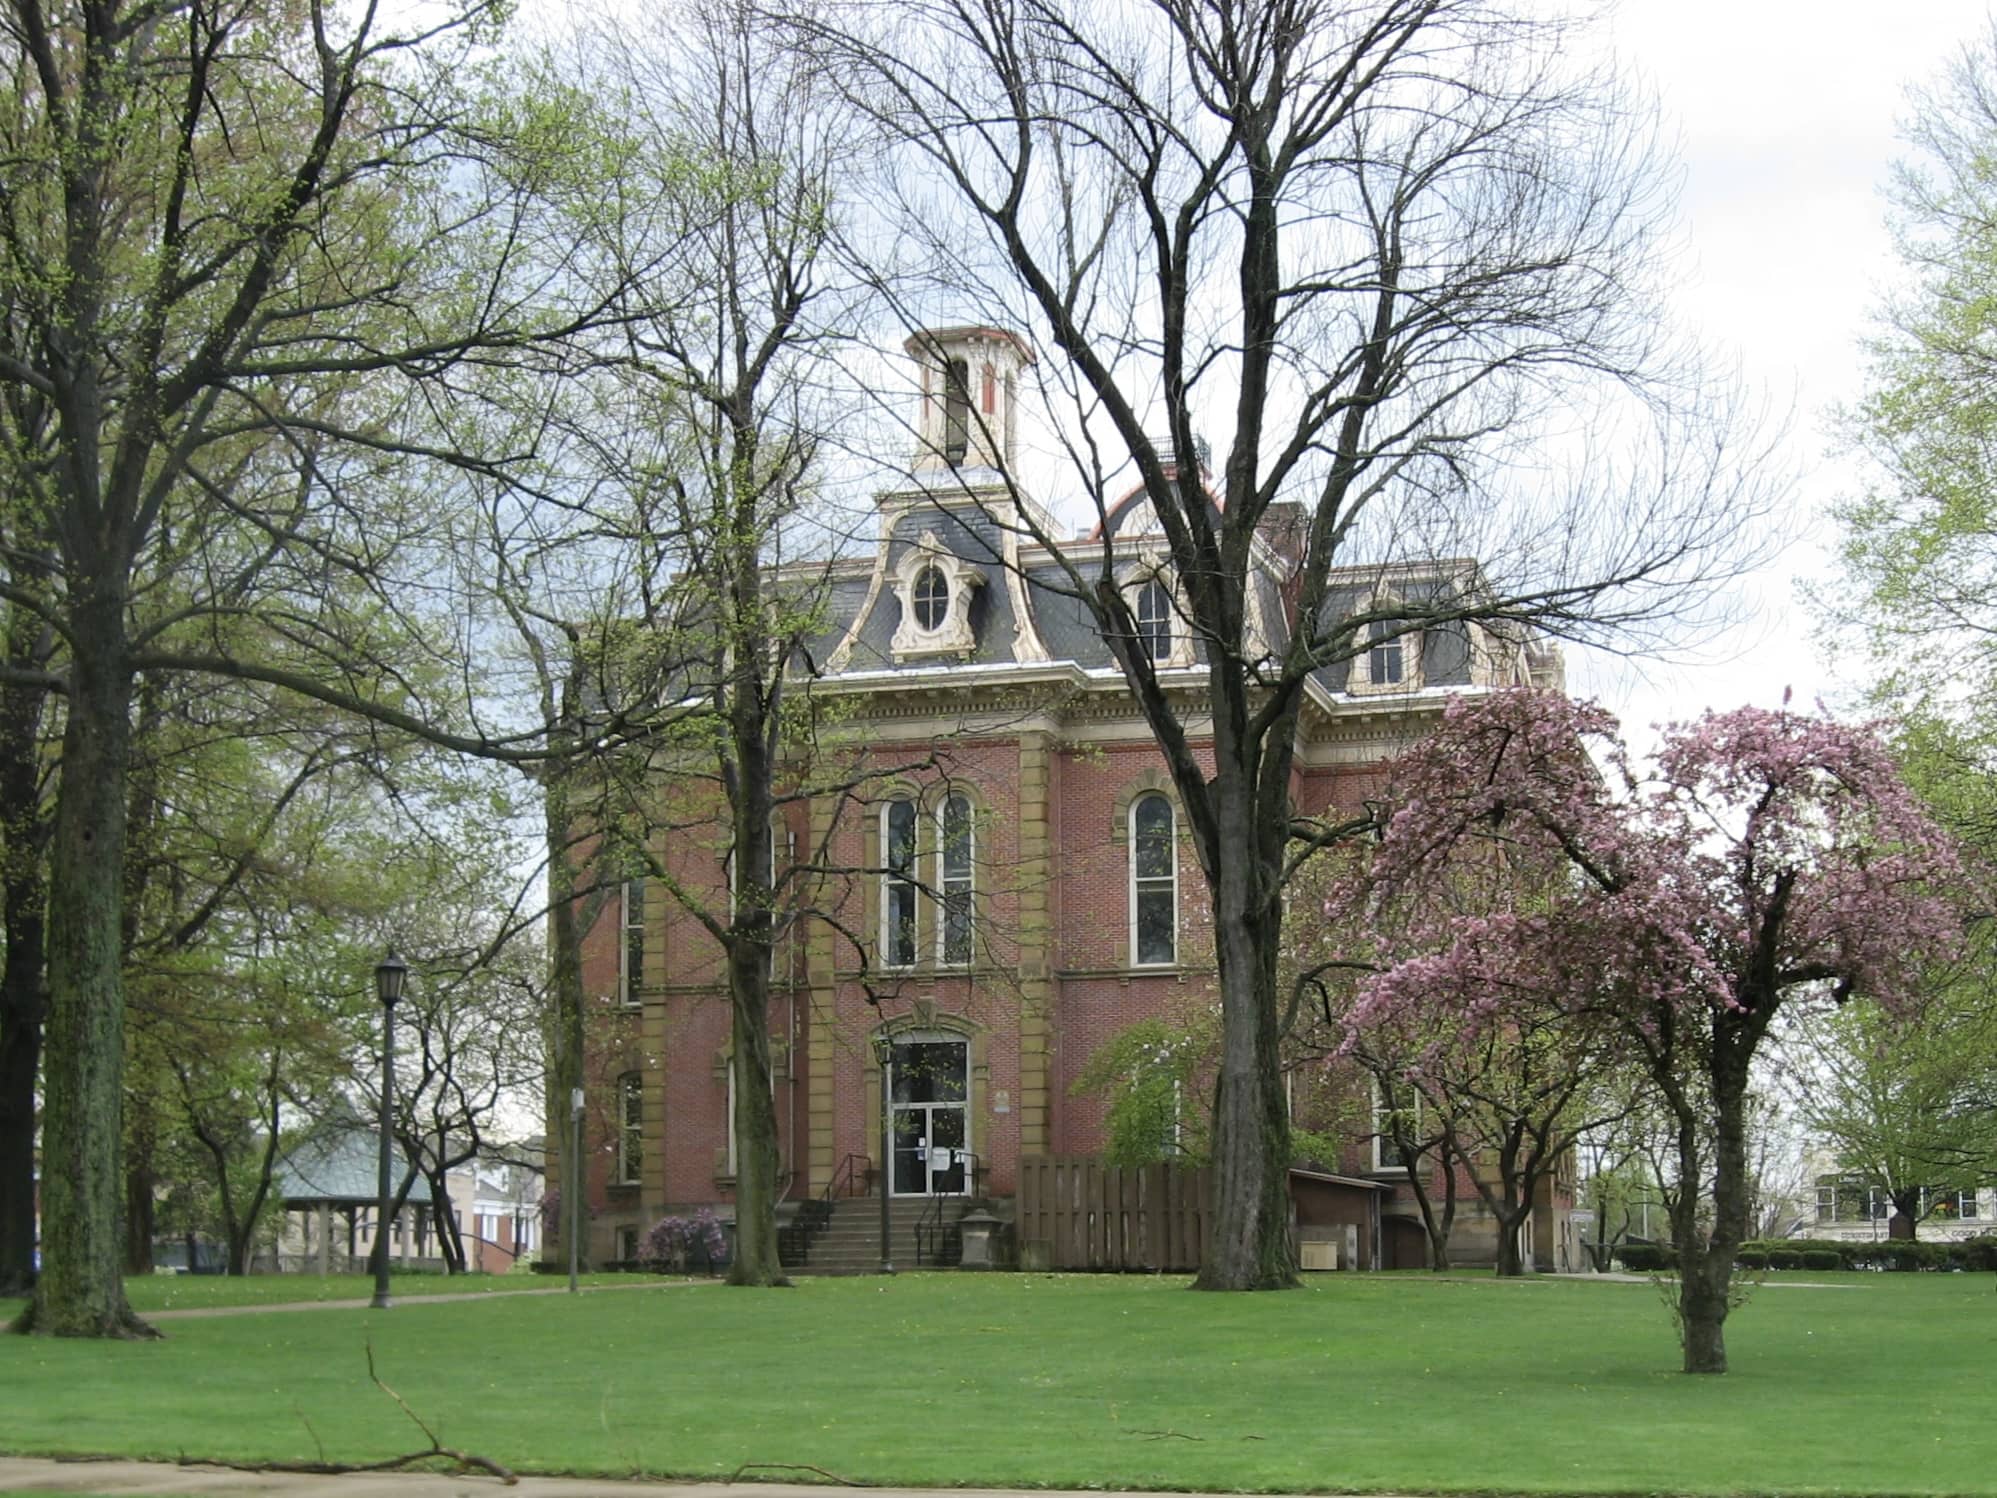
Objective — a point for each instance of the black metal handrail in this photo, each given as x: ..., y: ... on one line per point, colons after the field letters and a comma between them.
x: 814, y: 1214
x: 850, y: 1168
x: 930, y: 1228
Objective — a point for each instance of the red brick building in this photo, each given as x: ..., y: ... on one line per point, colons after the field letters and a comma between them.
x: 1024, y: 887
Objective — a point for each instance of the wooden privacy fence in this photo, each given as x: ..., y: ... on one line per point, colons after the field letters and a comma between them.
x: 1077, y: 1213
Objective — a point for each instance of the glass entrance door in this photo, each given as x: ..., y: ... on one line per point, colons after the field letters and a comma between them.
x: 929, y: 1083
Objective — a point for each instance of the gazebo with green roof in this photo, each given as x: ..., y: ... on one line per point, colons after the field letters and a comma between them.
x: 334, y: 1170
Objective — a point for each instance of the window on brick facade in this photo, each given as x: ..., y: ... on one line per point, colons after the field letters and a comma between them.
x: 734, y: 1149
x: 956, y: 839
x: 898, y: 884
x: 1396, y: 1106
x: 631, y: 946
x: 1154, y: 883
x: 630, y: 1128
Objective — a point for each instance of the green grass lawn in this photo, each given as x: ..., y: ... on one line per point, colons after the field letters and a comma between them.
x: 1371, y: 1383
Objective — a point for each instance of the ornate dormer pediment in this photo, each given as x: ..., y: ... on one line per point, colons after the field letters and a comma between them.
x: 934, y: 587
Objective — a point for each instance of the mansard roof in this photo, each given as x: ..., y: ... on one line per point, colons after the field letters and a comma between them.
x: 960, y: 582
x: 1015, y: 605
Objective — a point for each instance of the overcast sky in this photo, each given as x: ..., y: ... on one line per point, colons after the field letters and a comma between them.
x: 1787, y: 113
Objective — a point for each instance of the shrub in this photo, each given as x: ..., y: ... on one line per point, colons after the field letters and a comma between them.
x: 1822, y: 1258
x: 1751, y: 1258
x: 695, y: 1242
x: 1785, y: 1258
x: 1978, y: 1253
x: 1647, y: 1258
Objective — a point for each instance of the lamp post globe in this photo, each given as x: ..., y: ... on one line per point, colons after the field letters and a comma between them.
x: 391, y: 974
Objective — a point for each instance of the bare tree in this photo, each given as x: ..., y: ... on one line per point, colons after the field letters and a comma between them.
x: 1395, y: 259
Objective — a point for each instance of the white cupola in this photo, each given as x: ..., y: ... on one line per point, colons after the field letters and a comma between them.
x: 970, y: 384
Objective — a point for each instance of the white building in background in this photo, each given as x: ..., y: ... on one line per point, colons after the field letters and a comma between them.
x: 1857, y: 1213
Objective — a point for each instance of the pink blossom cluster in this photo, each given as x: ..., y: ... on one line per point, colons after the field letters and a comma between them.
x: 1524, y: 869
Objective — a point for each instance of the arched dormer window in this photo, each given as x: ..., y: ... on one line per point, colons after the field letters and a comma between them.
x: 1154, y: 882
x: 1390, y: 660
x: 934, y: 587
x: 1158, y: 612
x: 1386, y: 660
x: 932, y: 598
x: 898, y: 820
x: 956, y: 847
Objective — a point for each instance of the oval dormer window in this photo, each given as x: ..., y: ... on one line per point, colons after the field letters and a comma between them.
x: 932, y: 598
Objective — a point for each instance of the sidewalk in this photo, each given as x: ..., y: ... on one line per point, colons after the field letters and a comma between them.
x: 103, y: 1479
x: 463, y: 1297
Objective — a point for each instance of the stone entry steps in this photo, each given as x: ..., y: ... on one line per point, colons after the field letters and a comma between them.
x: 850, y: 1243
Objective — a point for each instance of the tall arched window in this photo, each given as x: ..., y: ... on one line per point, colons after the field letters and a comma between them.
x: 630, y: 1128
x: 1154, y: 883
x: 1154, y: 620
x: 898, y: 884
x: 956, y: 410
x: 631, y: 947
x: 956, y: 845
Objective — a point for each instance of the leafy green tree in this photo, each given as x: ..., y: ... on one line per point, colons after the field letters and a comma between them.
x: 1918, y: 551
x: 1905, y: 1107
x: 1155, y: 1078
x: 246, y: 249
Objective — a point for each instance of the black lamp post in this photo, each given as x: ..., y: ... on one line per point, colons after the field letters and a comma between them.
x: 884, y: 1054
x: 390, y: 974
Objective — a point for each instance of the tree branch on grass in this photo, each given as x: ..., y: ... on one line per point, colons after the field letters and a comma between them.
x: 466, y: 1461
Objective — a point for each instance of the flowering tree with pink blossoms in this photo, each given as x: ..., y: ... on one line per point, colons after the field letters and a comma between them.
x: 1770, y: 859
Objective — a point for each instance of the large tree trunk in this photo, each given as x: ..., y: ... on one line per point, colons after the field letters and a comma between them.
x: 1510, y: 1205
x: 450, y: 1241
x: 242, y: 1239
x: 756, y: 1161
x: 23, y: 987
x: 1705, y: 1264
x: 20, y: 1063
x: 754, y: 704
x: 1251, y: 1248
x: 139, y: 1182
x: 384, y: 1232
x: 565, y: 991
x: 1510, y: 1263
x: 80, y: 1291
x: 1436, y: 1224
